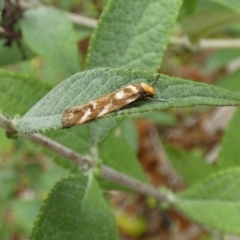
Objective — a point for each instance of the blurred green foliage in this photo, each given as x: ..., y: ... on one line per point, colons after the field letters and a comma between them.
x: 27, y: 175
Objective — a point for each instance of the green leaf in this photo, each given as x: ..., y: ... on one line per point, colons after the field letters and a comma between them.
x: 75, y: 209
x: 130, y: 132
x: 133, y: 34
x: 18, y: 93
x: 221, y: 58
x: 134, y: 39
x: 12, y: 54
x: 190, y: 165
x: 161, y: 118
x: 215, y: 202
x: 24, y: 212
x: 100, y: 129
x: 49, y: 33
x: 230, y: 81
x: 195, y: 28
x: 229, y: 155
x: 1, y: 8
x: 82, y: 32
x: 86, y: 86
x: 190, y: 6
x: 231, y: 4
x: 117, y: 153
x: 6, y: 144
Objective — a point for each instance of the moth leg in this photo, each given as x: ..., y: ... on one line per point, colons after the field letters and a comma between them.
x: 158, y: 100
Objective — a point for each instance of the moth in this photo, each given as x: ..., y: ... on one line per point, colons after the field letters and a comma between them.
x: 107, y: 104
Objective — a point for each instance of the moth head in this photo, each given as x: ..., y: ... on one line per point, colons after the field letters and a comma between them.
x: 149, y: 90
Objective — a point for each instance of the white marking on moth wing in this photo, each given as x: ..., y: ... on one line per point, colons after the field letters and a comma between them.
x: 94, y: 104
x: 70, y: 115
x: 130, y: 100
x: 85, y: 116
x: 105, y: 110
x: 119, y: 95
x: 133, y: 88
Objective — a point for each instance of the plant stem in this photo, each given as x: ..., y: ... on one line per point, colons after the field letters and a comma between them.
x: 106, y: 172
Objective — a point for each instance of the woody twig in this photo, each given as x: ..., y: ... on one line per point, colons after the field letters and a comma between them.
x: 106, y: 172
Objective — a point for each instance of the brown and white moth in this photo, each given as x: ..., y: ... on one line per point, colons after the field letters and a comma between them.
x: 106, y: 104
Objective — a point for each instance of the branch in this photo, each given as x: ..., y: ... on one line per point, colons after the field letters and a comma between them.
x: 75, y: 18
x: 205, y: 43
x: 82, y: 20
x: 106, y: 172
x: 122, y: 179
x: 57, y: 148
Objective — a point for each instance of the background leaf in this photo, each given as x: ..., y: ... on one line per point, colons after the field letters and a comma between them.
x: 133, y: 34
x: 74, y: 204
x: 25, y: 212
x: 99, y: 130
x: 49, y: 33
x: 46, y: 114
x: 231, y: 81
x: 230, y: 4
x: 12, y: 54
x: 162, y: 118
x: 195, y: 28
x: 190, y: 165
x: 229, y: 155
x: 214, y: 202
x: 221, y: 58
x: 190, y: 6
x: 1, y: 8
x: 19, y: 93
x: 122, y: 158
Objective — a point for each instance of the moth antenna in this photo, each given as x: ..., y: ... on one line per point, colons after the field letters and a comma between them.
x: 155, y: 79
